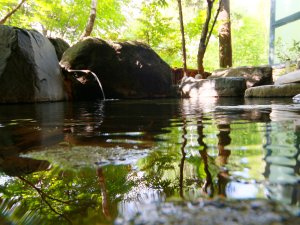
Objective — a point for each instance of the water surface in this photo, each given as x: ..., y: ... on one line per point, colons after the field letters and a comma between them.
x: 103, y: 162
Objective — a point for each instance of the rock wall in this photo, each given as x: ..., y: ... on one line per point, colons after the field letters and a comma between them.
x: 29, y: 68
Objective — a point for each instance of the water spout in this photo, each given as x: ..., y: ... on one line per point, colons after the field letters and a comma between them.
x: 95, y: 76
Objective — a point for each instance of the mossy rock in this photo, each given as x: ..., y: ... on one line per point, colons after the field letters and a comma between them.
x: 125, y: 69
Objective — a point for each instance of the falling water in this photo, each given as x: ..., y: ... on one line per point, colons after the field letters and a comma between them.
x: 99, y: 84
x: 95, y: 76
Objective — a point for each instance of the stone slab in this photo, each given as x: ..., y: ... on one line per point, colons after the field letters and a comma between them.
x: 267, y: 91
x: 292, y: 77
x: 219, y: 87
x: 254, y: 75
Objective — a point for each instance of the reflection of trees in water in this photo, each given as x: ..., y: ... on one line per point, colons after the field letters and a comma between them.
x: 168, y: 171
x: 60, y: 196
x: 212, y: 174
x: 208, y: 183
x: 105, y: 197
x: 178, y: 167
x: 183, y: 145
x: 223, y: 154
x: 47, y: 198
x: 224, y: 139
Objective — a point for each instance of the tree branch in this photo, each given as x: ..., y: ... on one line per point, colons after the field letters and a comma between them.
x: 214, y: 23
x: 2, y: 21
x: 90, y: 24
x: 43, y: 196
x: 202, y: 45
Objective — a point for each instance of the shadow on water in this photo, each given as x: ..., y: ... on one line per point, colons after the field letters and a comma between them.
x: 111, y: 161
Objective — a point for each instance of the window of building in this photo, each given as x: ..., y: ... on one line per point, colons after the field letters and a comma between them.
x: 284, y: 31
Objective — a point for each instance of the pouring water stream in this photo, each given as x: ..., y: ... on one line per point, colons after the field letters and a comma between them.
x: 87, y: 72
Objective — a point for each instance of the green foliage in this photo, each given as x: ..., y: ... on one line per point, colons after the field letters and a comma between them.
x: 110, y: 19
x: 154, y: 22
x: 286, y: 52
x: 57, y: 196
x: 158, y: 30
x: 66, y: 18
x: 249, y: 42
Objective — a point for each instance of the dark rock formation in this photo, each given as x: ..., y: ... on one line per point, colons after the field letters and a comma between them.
x: 254, y: 76
x: 126, y: 70
x: 219, y: 87
x: 60, y: 46
x: 29, y: 69
x: 19, y: 166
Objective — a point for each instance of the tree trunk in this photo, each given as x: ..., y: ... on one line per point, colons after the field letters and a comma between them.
x: 8, y: 15
x: 203, y: 38
x: 182, y: 38
x: 225, y: 49
x: 90, y: 24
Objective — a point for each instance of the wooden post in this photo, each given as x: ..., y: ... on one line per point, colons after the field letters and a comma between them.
x: 272, y: 31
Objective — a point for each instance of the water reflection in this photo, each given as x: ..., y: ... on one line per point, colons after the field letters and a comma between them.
x: 92, y: 162
x: 282, y: 155
x: 214, y: 157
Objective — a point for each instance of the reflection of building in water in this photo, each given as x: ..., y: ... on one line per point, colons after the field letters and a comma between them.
x: 282, y: 156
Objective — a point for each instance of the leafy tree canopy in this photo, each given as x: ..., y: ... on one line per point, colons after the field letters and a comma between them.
x: 154, y: 22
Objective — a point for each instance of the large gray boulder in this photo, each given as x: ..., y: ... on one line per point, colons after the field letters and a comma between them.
x: 267, y: 91
x: 29, y: 68
x: 254, y: 75
x: 125, y: 70
x: 219, y: 87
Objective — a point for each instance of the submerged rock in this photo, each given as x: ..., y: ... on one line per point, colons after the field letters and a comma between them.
x: 126, y: 70
x: 212, y: 212
x: 29, y: 69
x: 87, y: 156
x: 219, y: 87
x: 19, y: 166
x: 254, y: 75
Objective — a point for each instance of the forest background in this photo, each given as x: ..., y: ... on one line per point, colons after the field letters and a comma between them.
x: 155, y: 22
